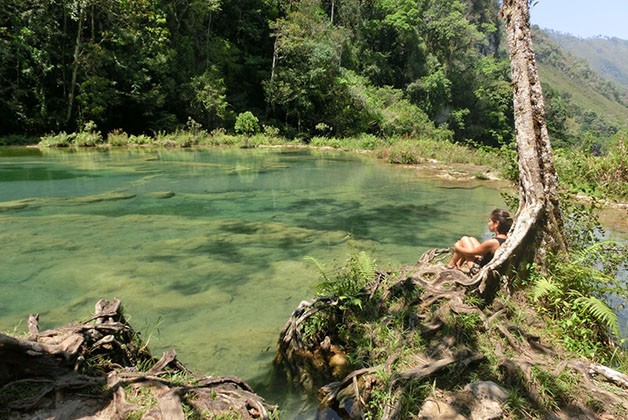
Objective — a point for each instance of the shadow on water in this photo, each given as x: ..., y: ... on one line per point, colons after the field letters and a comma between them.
x: 23, y: 173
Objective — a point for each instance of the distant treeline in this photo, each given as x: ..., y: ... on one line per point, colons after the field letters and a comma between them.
x: 331, y: 68
x: 306, y: 67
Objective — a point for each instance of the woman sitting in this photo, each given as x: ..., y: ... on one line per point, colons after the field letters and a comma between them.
x: 468, y: 249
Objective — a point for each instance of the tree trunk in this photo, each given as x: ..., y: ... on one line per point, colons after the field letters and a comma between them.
x: 538, y: 226
x: 333, y: 5
x: 75, y: 63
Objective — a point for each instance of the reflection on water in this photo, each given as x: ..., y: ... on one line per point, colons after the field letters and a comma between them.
x: 205, y: 247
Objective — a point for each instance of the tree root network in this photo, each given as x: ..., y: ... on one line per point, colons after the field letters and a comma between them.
x: 99, y: 369
x: 495, y: 347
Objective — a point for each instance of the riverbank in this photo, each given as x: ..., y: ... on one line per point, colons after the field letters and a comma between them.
x: 419, y: 342
x: 601, y: 176
x: 102, y: 369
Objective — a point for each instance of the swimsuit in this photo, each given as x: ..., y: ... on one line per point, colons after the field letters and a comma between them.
x: 482, y: 261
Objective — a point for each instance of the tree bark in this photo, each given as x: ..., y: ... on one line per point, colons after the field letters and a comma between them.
x: 538, y: 226
x: 75, y: 63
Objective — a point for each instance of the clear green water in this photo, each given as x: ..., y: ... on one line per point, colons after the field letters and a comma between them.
x: 205, y: 247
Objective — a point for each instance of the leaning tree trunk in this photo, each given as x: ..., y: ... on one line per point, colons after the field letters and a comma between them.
x: 538, y: 226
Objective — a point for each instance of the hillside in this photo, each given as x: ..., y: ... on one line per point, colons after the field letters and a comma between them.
x: 579, y: 100
x: 607, y: 56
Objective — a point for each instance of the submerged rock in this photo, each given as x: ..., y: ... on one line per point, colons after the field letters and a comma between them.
x: 160, y: 194
x: 13, y: 205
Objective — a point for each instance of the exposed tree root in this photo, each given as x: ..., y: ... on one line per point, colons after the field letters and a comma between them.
x: 433, y: 300
x: 87, y: 370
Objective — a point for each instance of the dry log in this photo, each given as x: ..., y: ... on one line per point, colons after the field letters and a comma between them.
x: 331, y: 390
x: 612, y: 375
x: 465, y: 357
x: 169, y: 401
x: 165, y: 360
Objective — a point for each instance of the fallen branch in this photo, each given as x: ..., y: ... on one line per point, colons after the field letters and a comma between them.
x: 614, y: 376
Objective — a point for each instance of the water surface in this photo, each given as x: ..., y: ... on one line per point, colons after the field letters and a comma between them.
x: 205, y: 247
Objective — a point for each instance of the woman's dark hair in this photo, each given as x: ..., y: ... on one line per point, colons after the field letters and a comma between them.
x: 504, y: 219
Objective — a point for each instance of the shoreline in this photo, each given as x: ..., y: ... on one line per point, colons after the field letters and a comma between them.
x: 612, y: 212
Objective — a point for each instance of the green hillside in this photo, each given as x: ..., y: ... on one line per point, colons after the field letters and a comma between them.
x: 579, y: 100
x: 607, y: 56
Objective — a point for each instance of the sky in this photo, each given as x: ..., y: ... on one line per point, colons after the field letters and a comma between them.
x: 582, y: 18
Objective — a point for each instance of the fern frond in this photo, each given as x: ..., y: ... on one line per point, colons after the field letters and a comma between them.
x: 584, y: 254
x: 321, y: 267
x: 366, y: 267
x: 601, y: 312
x: 543, y: 287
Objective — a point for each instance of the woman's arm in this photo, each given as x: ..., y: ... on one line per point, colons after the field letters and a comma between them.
x: 487, y: 246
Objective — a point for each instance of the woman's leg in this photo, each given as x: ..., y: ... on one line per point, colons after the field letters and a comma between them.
x: 467, y: 242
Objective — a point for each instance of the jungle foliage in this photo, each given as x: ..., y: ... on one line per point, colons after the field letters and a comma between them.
x: 310, y: 67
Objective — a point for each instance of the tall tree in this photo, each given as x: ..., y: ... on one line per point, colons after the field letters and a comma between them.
x: 538, y: 227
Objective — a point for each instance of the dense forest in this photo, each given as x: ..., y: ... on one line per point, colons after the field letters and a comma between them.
x: 393, y: 72
x: 306, y: 67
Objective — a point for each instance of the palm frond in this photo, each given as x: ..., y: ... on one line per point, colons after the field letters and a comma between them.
x: 543, y: 287
x: 601, y: 312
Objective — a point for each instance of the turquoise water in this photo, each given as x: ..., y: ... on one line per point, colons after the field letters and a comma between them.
x: 206, y: 248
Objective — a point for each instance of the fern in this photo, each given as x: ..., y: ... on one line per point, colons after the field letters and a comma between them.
x: 584, y: 255
x: 543, y: 287
x: 321, y: 267
x: 601, y: 312
x: 365, y: 267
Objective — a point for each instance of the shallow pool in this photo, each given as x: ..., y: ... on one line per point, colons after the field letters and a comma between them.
x: 206, y: 247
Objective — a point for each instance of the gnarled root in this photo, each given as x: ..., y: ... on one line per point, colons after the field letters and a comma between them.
x: 42, y: 372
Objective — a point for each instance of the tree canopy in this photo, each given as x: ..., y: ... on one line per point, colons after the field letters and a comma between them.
x: 345, y: 65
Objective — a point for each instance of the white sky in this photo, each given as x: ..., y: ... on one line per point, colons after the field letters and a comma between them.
x: 583, y: 18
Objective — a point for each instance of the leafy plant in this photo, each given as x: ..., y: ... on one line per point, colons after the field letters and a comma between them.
x: 573, y: 294
x: 350, y: 279
x: 61, y: 139
x: 118, y: 138
x: 246, y: 123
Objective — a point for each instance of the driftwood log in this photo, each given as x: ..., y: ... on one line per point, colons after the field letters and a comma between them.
x: 443, y: 291
x: 92, y: 370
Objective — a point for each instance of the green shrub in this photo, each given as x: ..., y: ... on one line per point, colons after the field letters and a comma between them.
x: 403, y: 152
x: 327, y: 142
x: 270, y: 131
x: 166, y: 139
x: 141, y: 139
x: 246, y: 123
x: 118, y: 138
x: 604, y: 176
x: 256, y: 140
x: 367, y: 142
x: 402, y: 118
x: 61, y: 139
x: 89, y: 136
x: 87, y: 139
x: 572, y: 294
x: 185, y: 138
